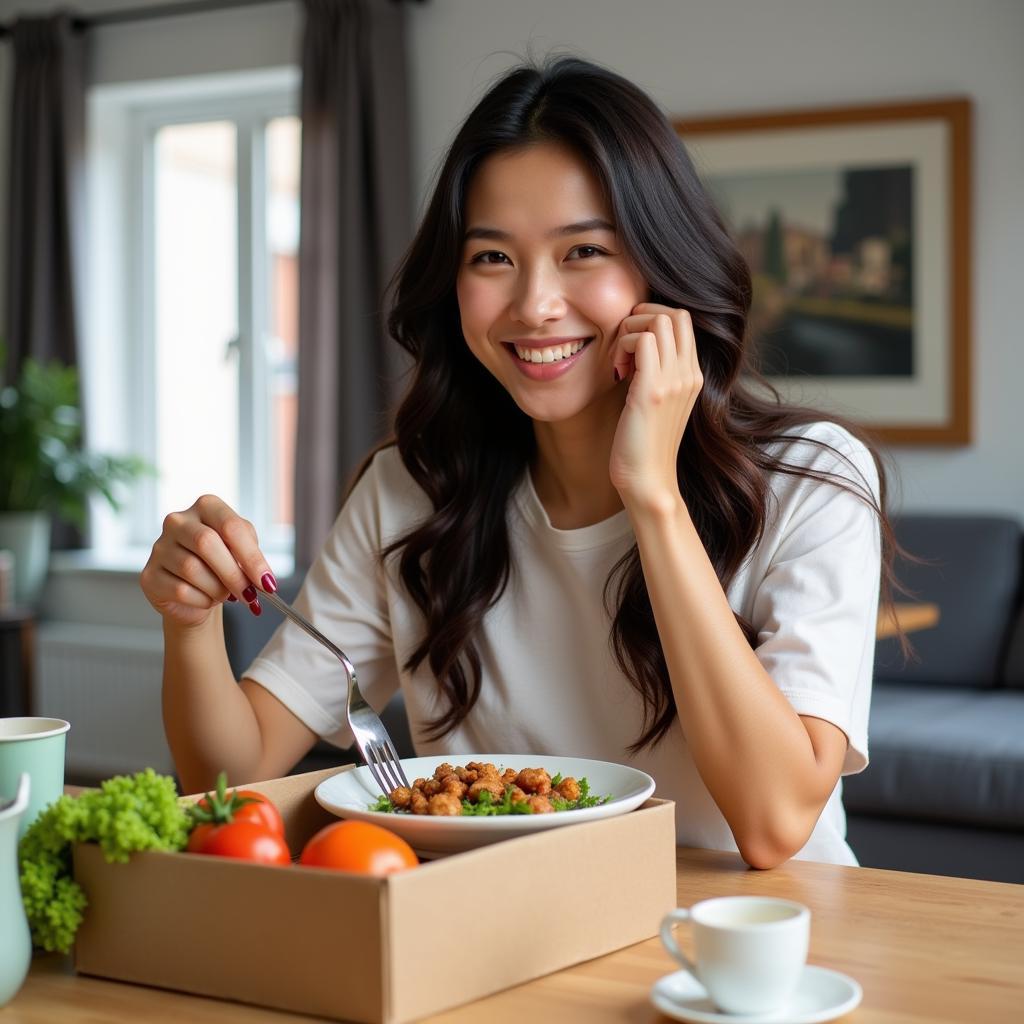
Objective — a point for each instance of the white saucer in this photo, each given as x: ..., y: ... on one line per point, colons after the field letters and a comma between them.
x: 821, y: 995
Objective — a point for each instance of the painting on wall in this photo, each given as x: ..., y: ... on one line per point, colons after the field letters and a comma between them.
x: 855, y: 225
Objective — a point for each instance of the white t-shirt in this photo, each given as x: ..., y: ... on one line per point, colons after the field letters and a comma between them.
x: 550, y: 683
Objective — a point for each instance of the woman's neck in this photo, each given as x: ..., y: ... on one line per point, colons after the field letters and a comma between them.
x: 570, y: 472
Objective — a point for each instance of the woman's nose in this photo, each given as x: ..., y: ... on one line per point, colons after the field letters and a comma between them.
x: 538, y: 298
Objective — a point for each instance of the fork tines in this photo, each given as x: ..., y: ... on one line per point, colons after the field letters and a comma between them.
x: 385, y: 766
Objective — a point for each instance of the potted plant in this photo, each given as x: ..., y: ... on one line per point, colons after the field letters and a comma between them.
x: 45, y: 471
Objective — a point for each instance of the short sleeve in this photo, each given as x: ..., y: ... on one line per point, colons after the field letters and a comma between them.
x: 815, y: 609
x: 344, y: 596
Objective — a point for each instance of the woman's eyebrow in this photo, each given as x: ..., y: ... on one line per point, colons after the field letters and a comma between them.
x: 497, y: 235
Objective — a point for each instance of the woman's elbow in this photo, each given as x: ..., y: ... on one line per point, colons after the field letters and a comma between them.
x: 768, y: 847
x: 763, y: 856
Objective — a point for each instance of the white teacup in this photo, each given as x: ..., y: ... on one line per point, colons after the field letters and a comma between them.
x: 751, y: 950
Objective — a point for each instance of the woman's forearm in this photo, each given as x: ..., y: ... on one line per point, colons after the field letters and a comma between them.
x: 751, y: 748
x: 209, y: 722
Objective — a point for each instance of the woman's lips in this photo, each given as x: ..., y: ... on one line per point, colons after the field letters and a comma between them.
x: 547, y: 371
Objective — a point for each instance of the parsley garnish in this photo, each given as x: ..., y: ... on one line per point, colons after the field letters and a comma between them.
x: 383, y: 805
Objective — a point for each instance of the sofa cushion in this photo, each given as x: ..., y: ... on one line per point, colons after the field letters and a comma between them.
x: 946, y: 754
x: 973, y: 575
x: 1013, y: 673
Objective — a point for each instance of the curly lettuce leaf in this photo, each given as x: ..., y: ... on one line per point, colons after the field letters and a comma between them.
x: 125, y: 815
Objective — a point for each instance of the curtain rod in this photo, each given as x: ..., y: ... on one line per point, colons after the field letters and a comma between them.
x: 129, y: 14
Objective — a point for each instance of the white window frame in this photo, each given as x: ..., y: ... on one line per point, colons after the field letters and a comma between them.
x: 119, y: 322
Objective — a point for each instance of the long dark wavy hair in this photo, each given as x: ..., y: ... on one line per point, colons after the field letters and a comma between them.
x: 467, y: 444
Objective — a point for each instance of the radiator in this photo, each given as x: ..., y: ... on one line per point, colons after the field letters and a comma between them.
x: 105, y: 681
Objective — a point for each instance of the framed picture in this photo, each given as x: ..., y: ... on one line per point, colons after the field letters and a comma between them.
x: 856, y: 224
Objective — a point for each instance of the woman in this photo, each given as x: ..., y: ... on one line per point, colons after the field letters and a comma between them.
x: 591, y: 535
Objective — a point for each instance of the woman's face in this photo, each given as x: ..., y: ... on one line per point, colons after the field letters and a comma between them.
x: 544, y: 276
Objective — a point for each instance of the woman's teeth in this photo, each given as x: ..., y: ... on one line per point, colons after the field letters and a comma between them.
x: 550, y: 355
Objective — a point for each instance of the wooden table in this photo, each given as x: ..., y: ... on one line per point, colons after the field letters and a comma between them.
x: 912, y: 617
x: 926, y: 949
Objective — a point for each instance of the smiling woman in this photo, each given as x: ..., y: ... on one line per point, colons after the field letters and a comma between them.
x: 592, y: 534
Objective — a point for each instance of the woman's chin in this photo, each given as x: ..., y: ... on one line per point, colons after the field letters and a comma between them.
x: 551, y: 409
x: 557, y: 411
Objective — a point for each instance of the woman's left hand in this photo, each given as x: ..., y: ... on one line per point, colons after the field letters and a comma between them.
x: 656, y: 354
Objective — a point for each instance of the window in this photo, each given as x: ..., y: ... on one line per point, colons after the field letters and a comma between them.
x: 195, y: 198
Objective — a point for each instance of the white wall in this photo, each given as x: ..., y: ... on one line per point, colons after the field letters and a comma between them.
x: 706, y: 56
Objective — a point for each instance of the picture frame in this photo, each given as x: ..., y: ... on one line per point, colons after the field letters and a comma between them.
x: 856, y: 224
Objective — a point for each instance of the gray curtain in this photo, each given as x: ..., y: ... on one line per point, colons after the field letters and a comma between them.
x: 45, y: 191
x: 45, y: 202
x: 356, y: 221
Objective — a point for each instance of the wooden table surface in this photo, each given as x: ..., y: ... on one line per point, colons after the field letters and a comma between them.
x: 926, y: 949
x: 911, y: 617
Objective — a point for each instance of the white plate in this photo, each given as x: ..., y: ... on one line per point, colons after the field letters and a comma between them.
x: 820, y: 996
x: 349, y: 794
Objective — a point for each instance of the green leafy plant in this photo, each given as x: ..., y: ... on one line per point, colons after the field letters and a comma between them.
x: 43, y: 466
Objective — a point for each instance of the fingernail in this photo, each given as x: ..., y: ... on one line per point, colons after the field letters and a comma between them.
x: 231, y: 597
x: 249, y: 593
x: 254, y: 607
x: 617, y: 377
x: 269, y: 583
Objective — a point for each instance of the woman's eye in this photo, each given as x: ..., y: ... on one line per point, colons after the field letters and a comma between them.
x: 588, y: 251
x: 484, y: 257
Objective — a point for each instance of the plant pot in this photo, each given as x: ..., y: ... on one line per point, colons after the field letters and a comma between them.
x: 27, y: 536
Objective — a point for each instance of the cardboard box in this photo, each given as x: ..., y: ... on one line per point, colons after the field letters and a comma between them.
x: 323, y: 942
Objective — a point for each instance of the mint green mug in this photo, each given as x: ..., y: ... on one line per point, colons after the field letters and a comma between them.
x: 35, y: 746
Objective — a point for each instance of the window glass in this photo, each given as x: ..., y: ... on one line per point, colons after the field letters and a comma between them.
x: 282, y: 218
x: 195, y: 269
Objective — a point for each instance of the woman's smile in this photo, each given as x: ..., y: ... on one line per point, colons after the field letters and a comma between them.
x: 548, y: 359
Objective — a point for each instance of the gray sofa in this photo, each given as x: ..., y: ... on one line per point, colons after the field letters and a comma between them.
x: 944, y: 792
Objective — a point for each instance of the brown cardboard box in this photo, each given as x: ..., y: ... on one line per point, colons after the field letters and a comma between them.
x: 323, y: 942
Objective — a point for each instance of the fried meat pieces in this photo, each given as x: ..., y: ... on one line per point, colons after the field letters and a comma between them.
x: 443, y: 793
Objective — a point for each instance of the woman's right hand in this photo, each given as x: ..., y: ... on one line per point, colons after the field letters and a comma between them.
x: 207, y: 554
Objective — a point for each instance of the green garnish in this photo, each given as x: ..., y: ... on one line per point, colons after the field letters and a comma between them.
x: 585, y: 799
x: 486, y: 806
x: 383, y: 805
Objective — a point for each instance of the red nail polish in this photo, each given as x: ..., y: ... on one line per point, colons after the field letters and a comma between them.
x: 249, y: 593
x: 269, y: 583
x: 254, y: 607
x: 231, y: 597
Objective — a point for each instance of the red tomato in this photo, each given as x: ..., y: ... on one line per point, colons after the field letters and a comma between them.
x: 242, y: 839
x: 358, y: 846
x: 261, y: 812
x: 197, y: 838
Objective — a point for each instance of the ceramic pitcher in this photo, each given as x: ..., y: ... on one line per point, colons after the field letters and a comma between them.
x: 15, y: 940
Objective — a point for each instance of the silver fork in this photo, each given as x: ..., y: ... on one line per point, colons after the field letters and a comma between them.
x: 371, y: 737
